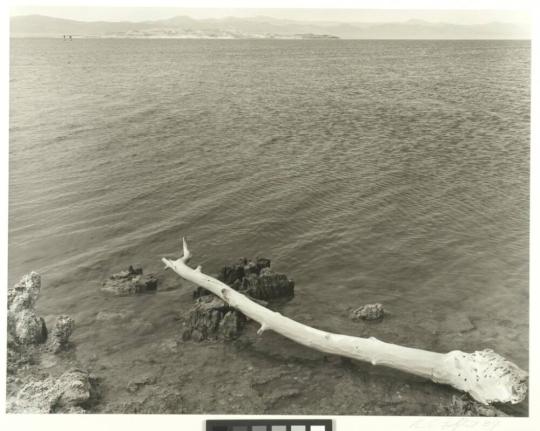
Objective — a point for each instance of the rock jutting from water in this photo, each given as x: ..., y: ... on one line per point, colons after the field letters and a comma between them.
x: 368, y: 312
x: 59, y: 337
x: 255, y: 279
x: 24, y: 325
x: 27, y: 332
x: 30, y: 386
x: 212, y: 318
x: 130, y: 282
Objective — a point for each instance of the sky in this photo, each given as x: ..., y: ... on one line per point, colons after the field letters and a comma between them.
x: 99, y: 13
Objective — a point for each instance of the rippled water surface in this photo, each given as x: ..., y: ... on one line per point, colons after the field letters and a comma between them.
x: 369, y: 171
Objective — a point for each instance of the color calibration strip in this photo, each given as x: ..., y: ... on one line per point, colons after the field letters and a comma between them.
x: 269, y: 425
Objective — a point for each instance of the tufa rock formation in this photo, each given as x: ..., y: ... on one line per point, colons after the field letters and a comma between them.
x: 368, y: 312
x: 130, y: 282
x: 30, y: 389
x: 212, y: 318
x: 254, y: 279
x: 73, y: 392
x: 59, y: 338
x: 24, y: 325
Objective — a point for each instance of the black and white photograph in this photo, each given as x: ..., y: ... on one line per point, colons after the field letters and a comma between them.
x: 268, y: 211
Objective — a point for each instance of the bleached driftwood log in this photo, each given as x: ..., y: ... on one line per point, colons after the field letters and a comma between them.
x: 485, y: 375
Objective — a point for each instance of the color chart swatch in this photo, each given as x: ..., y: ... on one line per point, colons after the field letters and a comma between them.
x: 269, y: 425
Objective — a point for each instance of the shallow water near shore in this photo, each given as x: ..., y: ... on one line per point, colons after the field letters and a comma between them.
x: 368, y: 171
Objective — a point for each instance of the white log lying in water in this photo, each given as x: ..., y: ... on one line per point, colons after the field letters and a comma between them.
x: 485, y: 375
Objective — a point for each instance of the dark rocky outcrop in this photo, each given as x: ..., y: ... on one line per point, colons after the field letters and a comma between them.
x: 267, y: 285
x: 212, y: 318
x: 130, y: 282
x: 255, y: 279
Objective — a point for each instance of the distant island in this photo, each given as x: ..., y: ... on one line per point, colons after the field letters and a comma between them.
x: 260, y: 27
x: 205, y: 34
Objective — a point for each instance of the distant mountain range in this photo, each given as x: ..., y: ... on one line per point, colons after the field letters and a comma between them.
x: 259, y: 27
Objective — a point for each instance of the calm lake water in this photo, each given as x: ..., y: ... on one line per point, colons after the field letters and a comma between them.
x: 368, y: 171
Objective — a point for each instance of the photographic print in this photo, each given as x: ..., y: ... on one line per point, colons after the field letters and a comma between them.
x: 268, y: 211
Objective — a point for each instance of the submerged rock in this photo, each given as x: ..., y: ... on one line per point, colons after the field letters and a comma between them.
x: 141, y: 327
x: 110, y: 316
x: 135, y: 384
x: 73, y: 392
x: 158, y: 399
x: 24, y: 325
x: 465, y: 406
x: 368, y: 312
x: 130, y: 282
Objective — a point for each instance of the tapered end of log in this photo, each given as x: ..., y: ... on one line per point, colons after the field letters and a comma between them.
x: 485, y: 375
